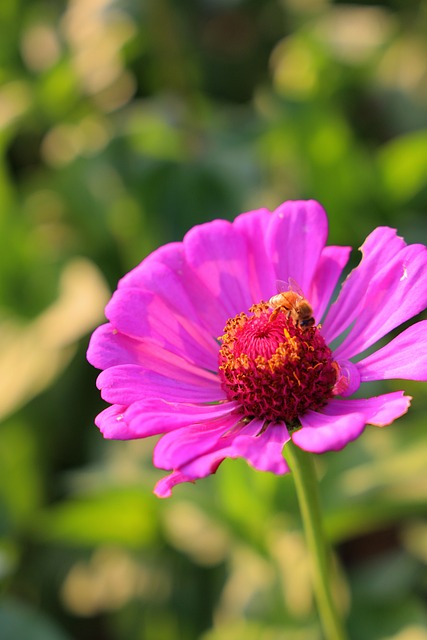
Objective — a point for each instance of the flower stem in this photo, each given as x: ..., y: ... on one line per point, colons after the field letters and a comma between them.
x: 306, y: 483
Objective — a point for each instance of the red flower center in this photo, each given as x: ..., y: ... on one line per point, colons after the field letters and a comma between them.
x: 273, y: 367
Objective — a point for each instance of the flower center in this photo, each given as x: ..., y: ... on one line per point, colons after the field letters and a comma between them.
x: 275, y: 368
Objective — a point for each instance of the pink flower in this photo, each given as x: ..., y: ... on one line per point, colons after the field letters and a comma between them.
x: 271, y: 376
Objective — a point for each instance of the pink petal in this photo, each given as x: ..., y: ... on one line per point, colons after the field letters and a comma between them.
x: 153, y: 416
x: 217, y: 253
x: 108, y: 348
x: 177, y: 448
x: 163, y: 488
x: 198, y: 450
x: 167, y: 274
x: 379, y: 410
x: 349, y: 378
x: 112, y: 424
x: 395, y: 294
x: 125, y: 384
x: 329, y: 269
x: 320, y: 432
x: 141, y: 314
x: 405, y: 357
x: 189, y: 297
x: 379, y: 248
x: 170, y: 256
x: 295, y: 239
x: 263, y: 451
x: 261, y: 275
x: 207, y: 463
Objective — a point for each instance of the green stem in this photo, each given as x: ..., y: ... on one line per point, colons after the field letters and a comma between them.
x: 306, y: 483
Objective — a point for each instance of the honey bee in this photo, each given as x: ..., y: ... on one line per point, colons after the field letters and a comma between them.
x: 291, y: 300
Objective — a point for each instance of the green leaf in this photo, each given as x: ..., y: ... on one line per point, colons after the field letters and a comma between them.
x: 116, y: 517
x: 403, y: 164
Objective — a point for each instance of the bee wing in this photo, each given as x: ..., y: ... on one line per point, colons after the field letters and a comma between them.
x: 282, y: 286
x: 289, y: 285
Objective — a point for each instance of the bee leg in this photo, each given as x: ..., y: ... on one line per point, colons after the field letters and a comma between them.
x: 274, y: 313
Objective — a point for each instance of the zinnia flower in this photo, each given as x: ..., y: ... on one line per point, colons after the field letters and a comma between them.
x: 198, y: 349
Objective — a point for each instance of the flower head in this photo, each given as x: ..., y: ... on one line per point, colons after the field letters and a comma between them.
x: 200, y: 346
x: 274, y: 368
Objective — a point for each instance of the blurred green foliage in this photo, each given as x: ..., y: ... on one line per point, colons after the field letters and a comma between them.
x: 122, y: 124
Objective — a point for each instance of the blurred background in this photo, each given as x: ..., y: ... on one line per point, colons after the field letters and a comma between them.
x: 122, y: 124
